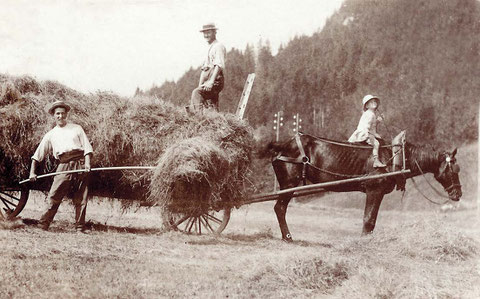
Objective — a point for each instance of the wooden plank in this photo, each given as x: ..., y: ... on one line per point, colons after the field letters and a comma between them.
x: 316, y: 188
x: 247, y: 88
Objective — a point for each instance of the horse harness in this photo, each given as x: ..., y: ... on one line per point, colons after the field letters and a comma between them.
x: 305, y: 161
x: 302, y: 159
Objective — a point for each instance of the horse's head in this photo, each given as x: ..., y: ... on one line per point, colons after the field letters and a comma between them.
x: 447, y: 175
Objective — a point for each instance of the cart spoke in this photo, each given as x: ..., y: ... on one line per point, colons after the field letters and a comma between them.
x: 202, y: 223
x: 199, y: 226
x: 6, y: 204
x: 207, y: 224
x: 6, y: 200
x: 199, y: 222
x: 9, y: 195
x: 177, y: 223
x: 12, y: 202
x: 191, y: 225
x: 214, y: 218
x: 195, y: 222
x: 187, y: 225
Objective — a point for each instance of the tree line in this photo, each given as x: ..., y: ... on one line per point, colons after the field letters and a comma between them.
x: 421, y: 57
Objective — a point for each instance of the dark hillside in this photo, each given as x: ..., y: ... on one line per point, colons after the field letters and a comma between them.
x: 422, y: 57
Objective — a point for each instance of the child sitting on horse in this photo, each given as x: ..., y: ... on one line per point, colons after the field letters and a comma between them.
x: 367, y: 127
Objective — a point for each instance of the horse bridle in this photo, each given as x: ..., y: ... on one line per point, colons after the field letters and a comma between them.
x: 456, y: 170
x: 447, y: 189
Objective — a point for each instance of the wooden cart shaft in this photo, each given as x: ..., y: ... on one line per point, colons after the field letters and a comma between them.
x: 316, y: 188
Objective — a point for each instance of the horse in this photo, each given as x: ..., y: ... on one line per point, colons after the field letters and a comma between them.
x: 316, y: 160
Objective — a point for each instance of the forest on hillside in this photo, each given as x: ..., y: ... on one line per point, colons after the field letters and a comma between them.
x: 421, y: 57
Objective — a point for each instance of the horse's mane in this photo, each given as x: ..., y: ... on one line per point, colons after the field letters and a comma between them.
x: 425, y: 155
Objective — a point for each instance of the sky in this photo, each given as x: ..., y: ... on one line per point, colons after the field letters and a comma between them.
x: 120, y: 45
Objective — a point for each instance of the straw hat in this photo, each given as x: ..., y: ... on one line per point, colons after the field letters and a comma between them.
x: 367, y: 98
x: 51, y: 107
x: 209, y: 26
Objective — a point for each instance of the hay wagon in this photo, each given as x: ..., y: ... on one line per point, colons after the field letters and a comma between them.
x: 109, y: 182
x: 14, y: 197
x: 116, y: 139
x: 199, y: 220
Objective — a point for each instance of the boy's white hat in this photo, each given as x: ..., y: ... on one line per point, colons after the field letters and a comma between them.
x: 367, y: 98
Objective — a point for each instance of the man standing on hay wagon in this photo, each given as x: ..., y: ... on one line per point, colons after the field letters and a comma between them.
x: 69, y: 144
x: 211, y: 79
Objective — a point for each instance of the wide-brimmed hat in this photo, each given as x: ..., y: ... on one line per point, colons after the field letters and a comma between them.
x: 209, y: 26
x: 367, y: 98
x: 51, y: 107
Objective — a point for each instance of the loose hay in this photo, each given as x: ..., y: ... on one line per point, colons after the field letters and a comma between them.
x: 207, y: 172
x: 209, y: 152
x: 316, y: 274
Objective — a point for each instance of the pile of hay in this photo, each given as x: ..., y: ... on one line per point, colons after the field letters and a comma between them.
x: 211, y: 150
x: 209, y: 169
x: 23, y: 122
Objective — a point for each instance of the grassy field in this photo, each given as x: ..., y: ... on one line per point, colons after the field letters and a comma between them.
x: 418, y: 250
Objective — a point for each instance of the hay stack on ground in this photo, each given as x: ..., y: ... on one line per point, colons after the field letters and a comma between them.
x: 123, y: 131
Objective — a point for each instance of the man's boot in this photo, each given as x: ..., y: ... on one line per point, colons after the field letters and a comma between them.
x: 47, y: 218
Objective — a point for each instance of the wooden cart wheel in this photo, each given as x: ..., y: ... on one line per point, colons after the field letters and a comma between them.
x: 12, y: 202
x: 210, y: 222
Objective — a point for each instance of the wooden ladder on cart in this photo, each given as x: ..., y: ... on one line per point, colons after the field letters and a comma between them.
x: 247, y: 88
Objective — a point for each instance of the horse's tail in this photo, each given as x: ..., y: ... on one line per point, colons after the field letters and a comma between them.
x: 270, y: 150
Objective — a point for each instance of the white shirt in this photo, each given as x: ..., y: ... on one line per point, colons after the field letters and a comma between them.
x: 61, y: 140
x: 367, y: 125
x: 216, y: 56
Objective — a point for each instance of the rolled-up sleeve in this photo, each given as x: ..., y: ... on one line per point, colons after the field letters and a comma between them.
x: 219, y: 56
x: 43, y: 149
x: 87, y: 147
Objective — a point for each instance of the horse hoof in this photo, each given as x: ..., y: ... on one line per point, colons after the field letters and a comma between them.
x: 287, y: 238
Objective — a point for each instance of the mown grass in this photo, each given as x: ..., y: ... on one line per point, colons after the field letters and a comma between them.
x: 410, y: 255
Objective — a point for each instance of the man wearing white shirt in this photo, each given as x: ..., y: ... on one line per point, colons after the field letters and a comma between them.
x: 212, y: 77
x: 69, y: 144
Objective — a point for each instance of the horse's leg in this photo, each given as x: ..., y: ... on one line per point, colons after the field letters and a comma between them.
x: 372, y: 204
x: 288, y: 176
x: 281, y: 211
